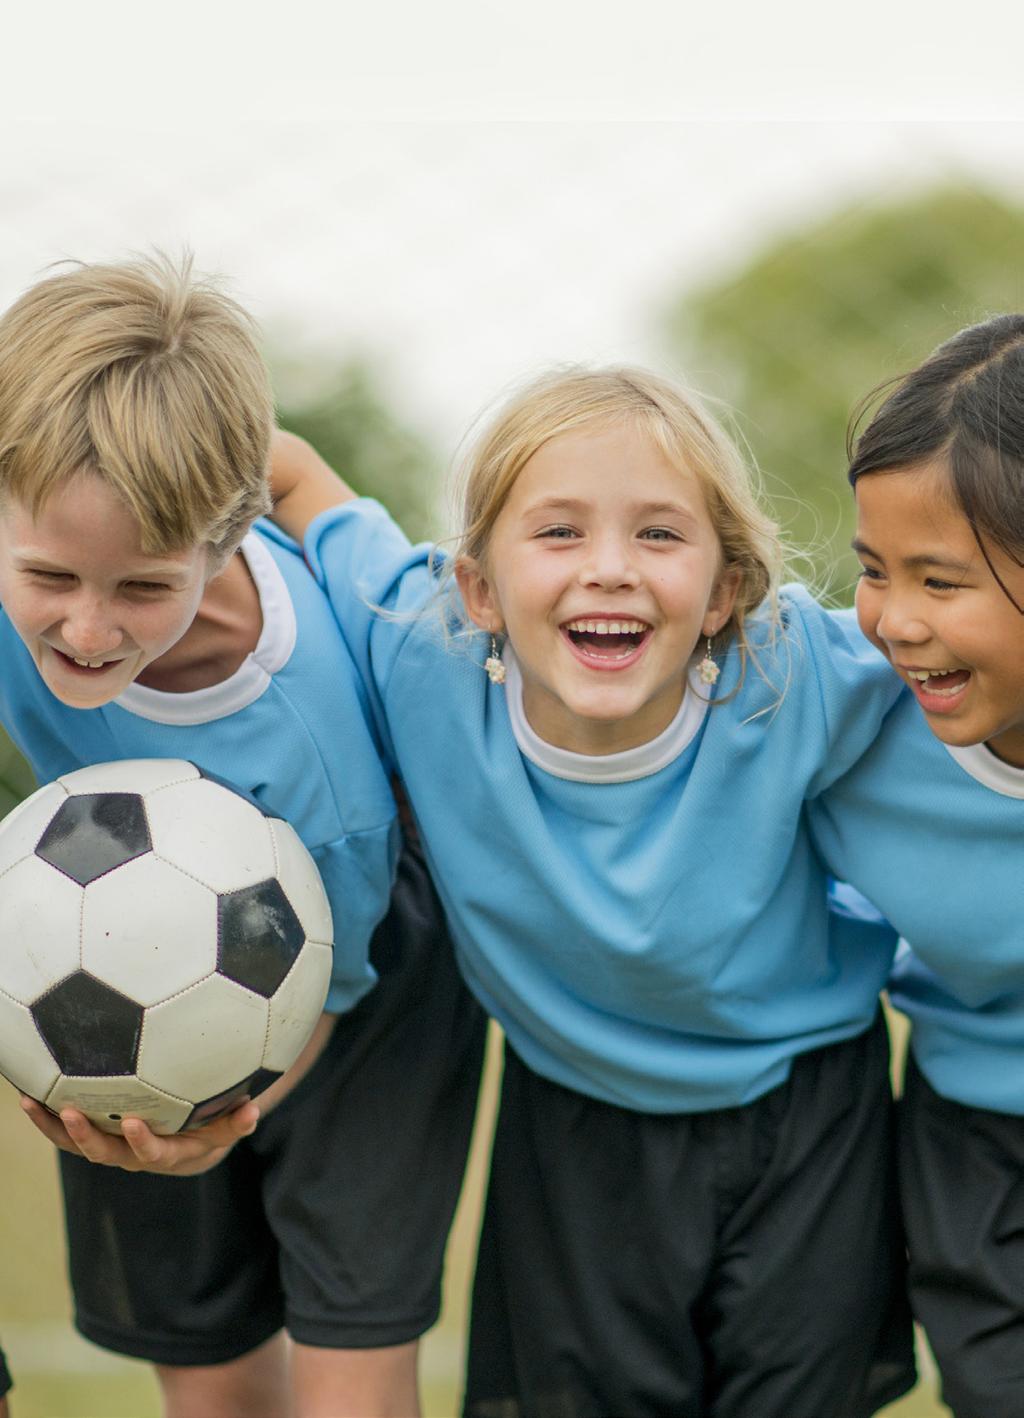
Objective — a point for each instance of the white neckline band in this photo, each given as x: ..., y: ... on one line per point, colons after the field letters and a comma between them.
x: 253, y: 676
x: 982, y: 764
x: 624, y: 767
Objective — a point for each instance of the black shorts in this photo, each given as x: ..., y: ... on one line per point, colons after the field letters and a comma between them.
x: 742, y: 1263
x: 6, y: 1383
x: 962, y: 1182
x: 331, y: 1219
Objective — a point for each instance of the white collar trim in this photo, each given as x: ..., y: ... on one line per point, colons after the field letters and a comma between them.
x: 253, y: 676
x: 624, y: 767
x: 982, y: 764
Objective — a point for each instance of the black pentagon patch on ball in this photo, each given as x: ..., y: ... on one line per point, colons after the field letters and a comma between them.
x: 216, y: 1107
x: 90, y: 1029
x: 259, y: 936
x: 91, y: 834
x: 234, y: 788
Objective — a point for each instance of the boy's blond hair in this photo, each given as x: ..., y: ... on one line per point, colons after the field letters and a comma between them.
x: 568, y: 400
x: 152, y: 379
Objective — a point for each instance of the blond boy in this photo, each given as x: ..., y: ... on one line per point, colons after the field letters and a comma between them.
x: 291, y: 1269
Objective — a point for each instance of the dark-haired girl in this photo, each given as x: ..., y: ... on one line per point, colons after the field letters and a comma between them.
x: 930, y: 826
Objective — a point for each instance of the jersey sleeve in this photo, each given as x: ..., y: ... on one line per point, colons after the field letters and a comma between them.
x: 379, y: 587
x: 855, y: 684
x: 357, y: 872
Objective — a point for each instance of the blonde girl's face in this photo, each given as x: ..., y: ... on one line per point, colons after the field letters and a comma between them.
x: 930, y: 602
x: 604, y: 571
x: 92, y: 607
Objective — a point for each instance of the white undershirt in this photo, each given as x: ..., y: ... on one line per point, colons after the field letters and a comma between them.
x: 981, y: 763
x: 631, y: 763
x: 253, y: 676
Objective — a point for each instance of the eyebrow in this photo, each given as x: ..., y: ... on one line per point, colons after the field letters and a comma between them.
x: 148, y: 572
x: 643, y: 509
x: 913, y: 563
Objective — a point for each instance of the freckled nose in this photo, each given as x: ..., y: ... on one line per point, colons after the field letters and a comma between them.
x: 89, y: 632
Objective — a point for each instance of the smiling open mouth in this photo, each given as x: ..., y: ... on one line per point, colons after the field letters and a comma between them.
x: 82, y: 666
x: 607, y: 640
x: 943, y: 682
x: 938, y: 691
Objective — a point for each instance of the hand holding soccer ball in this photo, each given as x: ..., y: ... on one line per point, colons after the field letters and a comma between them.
x: 165, y: 948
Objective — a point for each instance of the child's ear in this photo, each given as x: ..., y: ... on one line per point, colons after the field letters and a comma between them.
x: 477, y: 595
x: 723, y: 598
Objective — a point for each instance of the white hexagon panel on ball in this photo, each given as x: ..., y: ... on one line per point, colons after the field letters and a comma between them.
x: 149, y: 930
x: 130, y: 775
x: 297, y: 1004
x: 25, y: 1060
x: 212, y: 834
x: 105, y: 1101
x: 40, y: 930
x: 300, y: 877
x: 225, y: 1027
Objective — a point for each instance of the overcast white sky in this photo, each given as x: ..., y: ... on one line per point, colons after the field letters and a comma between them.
x: 464, y: 191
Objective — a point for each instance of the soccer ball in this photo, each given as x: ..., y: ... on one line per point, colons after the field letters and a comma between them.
x: 165, y: 945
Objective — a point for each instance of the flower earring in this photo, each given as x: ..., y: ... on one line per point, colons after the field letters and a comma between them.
x: 707, y: 669
x: 496, y: 670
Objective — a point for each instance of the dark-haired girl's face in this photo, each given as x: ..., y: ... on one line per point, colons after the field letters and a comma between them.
x: 931, y: 603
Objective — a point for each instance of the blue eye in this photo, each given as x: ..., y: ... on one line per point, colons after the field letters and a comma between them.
x: 558, y: 533
x: 660, y: 534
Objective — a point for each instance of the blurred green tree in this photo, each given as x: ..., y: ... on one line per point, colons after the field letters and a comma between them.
x: 341, y: 413
x: 794, y: 341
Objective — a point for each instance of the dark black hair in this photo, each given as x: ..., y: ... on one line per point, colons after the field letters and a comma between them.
x: 964, y: 406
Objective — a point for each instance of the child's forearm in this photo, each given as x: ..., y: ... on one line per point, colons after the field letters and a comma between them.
x: 301, y: 484
x: 317, y: 1042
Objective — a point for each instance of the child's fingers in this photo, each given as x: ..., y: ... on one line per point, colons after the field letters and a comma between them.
x: 108, y: 1149
x: 138, y: 1149
x: 189, y: 1151
x: 177, y: 1155
x: 51, y: 1127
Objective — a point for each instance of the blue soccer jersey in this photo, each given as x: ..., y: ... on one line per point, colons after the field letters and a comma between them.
x: 930, y: 834
x: 650, y: 927
x: 289, y: 726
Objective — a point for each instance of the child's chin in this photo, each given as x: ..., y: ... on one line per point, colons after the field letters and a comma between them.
x: 84, y: 696
x: 948, y: 731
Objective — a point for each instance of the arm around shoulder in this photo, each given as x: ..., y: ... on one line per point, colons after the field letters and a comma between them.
x: 854, y: 687
x: 302, y: 484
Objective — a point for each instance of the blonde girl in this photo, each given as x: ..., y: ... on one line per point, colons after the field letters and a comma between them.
x: 608, y: 737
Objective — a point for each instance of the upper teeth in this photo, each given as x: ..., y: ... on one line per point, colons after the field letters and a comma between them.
x: 927, y: 674
x: 91, y: 664
x: 607, y: 627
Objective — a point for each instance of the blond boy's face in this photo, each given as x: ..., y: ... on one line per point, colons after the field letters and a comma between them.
x: 93, y: 608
